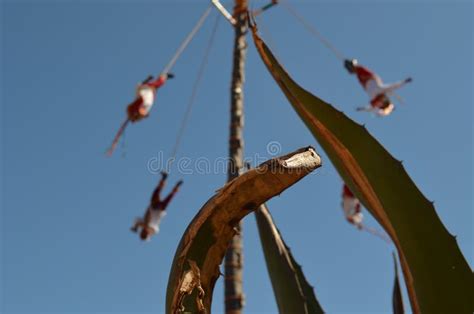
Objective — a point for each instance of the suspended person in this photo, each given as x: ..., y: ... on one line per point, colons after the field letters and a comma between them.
x: 380, y: 103
x: 145, y: 97
x: 141, y: 106
x: 150, y: 223
x: 352, y: 207
x: 146, y: 91
x: 353, y: 212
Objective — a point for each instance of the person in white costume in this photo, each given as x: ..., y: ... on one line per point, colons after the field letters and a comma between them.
x: 378, y: 91
x: 352, y: 208
x: 150, y: 223
x: 145, y: 97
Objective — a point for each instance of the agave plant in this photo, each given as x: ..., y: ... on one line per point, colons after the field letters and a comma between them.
x: 384, y: 187
x: 443, y: 285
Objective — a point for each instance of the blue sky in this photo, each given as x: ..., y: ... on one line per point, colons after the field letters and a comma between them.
x: 68, y: 70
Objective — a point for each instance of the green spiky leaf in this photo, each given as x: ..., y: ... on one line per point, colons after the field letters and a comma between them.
x: 438, y: 278
x: 292, y: 291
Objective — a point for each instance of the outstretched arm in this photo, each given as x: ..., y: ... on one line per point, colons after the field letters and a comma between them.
x: 389, y: 88
x: 172, y: 194
x: 158, y: 82
x: 137, y: 224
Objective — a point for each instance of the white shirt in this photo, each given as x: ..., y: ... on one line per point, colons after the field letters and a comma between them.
x: 155, y: 218
x: 349, y: 204
x: 147, y: 93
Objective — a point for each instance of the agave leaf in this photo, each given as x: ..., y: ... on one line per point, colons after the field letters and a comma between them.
x: 397, y: 298
x: 437, y: 276
x: 195, y: 267
x: 292, y: 291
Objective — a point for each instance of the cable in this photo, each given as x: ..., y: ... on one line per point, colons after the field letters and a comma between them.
x: 313, y: 30
x: 187, y: 40
x: 377, y: 233
x: 168, y: 67
x: 124, y: 144
x: 324, y: 40
x: 195, y: 89
x: 112, y: 147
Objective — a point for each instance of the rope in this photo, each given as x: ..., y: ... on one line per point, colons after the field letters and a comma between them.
x: 124, y: 144
x: 112, y: 147
x: 313, y: 30
x: 269, y: 40
x: 195, y: 89
x: 324, y: 40
x: 377, y: 233
x: 399, y: 98
x: 187, y: 40
x: 266, y: 34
